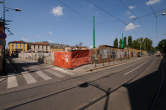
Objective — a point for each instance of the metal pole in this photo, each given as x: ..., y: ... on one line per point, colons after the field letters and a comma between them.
x: 93, y: 31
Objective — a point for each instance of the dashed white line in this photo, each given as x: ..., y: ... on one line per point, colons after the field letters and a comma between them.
x: 12, y: 82
x: 43, y: 75
x: 29, y: 78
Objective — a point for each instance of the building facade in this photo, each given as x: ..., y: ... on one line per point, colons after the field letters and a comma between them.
x: 40, y: 47
x: 16, y: 47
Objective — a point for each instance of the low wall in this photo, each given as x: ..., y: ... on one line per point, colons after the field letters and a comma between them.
x: 47, y: 58
x: 107, y: 54
x: 71, y: 59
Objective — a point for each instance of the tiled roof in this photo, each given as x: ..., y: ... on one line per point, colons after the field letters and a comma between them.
x: 17, y: 42
x: 39, y: 43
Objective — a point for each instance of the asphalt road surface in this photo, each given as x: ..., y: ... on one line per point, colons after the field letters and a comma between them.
x: 52, y: 90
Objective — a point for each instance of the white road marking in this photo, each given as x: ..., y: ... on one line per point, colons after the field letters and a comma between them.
x: 2, y: 79
x: 133, y: 69
x: 55, y: 73
x: 43, y: 75
x: 29, y: 78
x: 63, y: 71
x: 12, y: 82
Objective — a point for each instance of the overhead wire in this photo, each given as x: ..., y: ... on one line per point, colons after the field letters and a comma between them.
x: 107, y: 12
x: 125, y: 6
x: 156, y: 19
x: 72, y: 9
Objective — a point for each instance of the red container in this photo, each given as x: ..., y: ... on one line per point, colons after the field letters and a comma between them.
x: 71, y: 59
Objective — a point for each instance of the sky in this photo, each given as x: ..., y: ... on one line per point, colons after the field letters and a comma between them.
x: 70, y: 21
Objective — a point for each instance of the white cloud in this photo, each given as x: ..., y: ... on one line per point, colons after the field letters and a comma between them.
x: 57, y: 11
x: 132, y: 17
x: 151, y: 2
x: 50, y: 33
x: 131, y: 7
x: 131, y: 26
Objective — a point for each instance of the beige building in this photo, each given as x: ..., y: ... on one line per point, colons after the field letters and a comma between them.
x: 40, y: 47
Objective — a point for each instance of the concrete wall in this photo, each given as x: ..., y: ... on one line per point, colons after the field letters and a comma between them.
x: 47, y: 58
x: 107, y: 54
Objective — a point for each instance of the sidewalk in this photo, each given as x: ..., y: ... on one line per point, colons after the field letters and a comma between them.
x: 92, y: 67
x: 89, y: 68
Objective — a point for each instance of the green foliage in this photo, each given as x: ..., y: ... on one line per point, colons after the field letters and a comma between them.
x: 130, y: 41
x: 125, y: 42
x: 162, y: 46
x: 140, y: 43
x: 116, y: 43
x: 120, y: 43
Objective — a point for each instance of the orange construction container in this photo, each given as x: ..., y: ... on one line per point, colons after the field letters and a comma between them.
x: 71, y: 59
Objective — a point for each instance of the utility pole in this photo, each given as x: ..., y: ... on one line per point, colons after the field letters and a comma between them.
x: 4, y: 28
x: 93, y: 31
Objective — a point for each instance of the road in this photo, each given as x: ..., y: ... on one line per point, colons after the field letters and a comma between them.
x: 53, y: 90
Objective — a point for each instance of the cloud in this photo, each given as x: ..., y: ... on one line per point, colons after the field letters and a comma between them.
x: 132, y: 17
x: 57, y: 11
x: 151, y: 2
x: 131, y: 26
x: 131, y: 7
x: 50, y: 33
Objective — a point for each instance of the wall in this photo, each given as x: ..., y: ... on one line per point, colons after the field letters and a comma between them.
x: 47, y: 58
x: 107, y: 54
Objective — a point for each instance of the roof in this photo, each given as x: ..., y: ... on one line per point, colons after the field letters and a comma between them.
x: 17, y: 42
x: 40, y: 43
x: 106, y: 46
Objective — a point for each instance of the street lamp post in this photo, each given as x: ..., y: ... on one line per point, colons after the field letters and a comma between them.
x: 4, y: 23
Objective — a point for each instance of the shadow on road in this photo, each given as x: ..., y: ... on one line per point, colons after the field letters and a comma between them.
x: 16, y: 68
x: 145, y: 93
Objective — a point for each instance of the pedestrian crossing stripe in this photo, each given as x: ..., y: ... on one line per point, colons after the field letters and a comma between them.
x: 12, y: 82
x: 55, y: 73
x: 43, y: 75
x: 63, y: 71
x: 29, y: 78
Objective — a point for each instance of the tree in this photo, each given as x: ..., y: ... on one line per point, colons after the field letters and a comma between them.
x: 147, y: 44
x: 120, y: 43
x: 130, y: 41
x: 116, y: 43
x: 135, y: 44
x: 124, y: 42
x: 162, y: 46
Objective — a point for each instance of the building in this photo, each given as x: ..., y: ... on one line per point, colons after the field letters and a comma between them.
x: 40, y: 47
x: 16, y: 47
